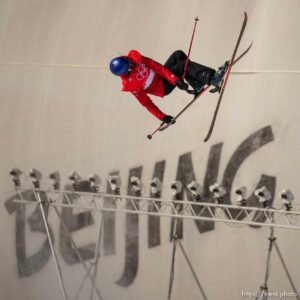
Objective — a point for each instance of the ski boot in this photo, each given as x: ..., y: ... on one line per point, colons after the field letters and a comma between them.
x: 203, y: 80
x: 217, y: 79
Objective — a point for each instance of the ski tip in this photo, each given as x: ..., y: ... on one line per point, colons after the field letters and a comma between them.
x: 245, y: 15
x: 196, y: 19
x: 208, y: 135
x: 249, y: 47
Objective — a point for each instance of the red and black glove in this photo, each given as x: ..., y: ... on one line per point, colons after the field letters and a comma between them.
x: 168, y: 119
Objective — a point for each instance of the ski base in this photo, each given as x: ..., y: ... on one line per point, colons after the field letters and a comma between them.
x: 226, y: 78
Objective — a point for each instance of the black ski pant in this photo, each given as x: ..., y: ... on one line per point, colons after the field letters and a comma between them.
x: 196, y: 75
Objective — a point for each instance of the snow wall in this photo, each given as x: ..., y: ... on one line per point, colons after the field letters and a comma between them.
x: 61, y: 109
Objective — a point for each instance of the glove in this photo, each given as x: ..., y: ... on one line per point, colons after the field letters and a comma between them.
x: 168, y: 119
x: 182, y: 85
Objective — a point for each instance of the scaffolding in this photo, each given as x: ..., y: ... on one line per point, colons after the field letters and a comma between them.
x: 204, y: 211
x: 175, y: 208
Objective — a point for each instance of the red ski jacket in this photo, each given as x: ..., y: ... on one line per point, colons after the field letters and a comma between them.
x: 146, y: 78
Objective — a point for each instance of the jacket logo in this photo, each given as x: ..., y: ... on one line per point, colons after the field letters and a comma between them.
x: 142, y: 72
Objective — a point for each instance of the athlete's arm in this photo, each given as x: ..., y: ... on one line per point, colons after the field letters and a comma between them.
x: 145, y: 100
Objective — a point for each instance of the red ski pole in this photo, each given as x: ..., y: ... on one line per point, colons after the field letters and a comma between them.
x: 191, y: 43
x: 149, y: 136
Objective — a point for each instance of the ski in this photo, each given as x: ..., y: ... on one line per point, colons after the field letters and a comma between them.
x: 164, y: 126
x: 226, y: 77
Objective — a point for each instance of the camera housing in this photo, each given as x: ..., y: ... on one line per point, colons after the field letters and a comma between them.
x: 95, y: 181
x: 287, y: 195
x: 55, y: 179
x: 16, y: 174
x: 115, y: 183
x: 36, y: 176
x: 287, y: 198
x: 241, y: 195
x: 136, y: 183
x: 155, y: 186
x: 176, y: 187
x: 74, y: 176
x: 195, y: 189
x: 264, y: 196
x: 218, y: 191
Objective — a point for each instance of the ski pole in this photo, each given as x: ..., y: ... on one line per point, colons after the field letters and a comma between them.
x: 149, y: 136
x: 163, y: 126
x: 187, y: 59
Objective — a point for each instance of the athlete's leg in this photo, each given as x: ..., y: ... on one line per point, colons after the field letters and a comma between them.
x: 196, y: 75
x: 175, y: 64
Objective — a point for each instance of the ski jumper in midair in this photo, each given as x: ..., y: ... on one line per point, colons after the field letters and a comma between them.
x: 141, y: 76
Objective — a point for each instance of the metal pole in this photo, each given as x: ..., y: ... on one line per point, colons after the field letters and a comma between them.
x: 77, y: 252
x: 57, y: 266
x: 192, y: 270
x: 267, y: 271
x: 82, y: 283
x: 286, y: 270
x: 174, y: 237
x: 263, y: 292
x: 191, y: 43
x: 97, y: 253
